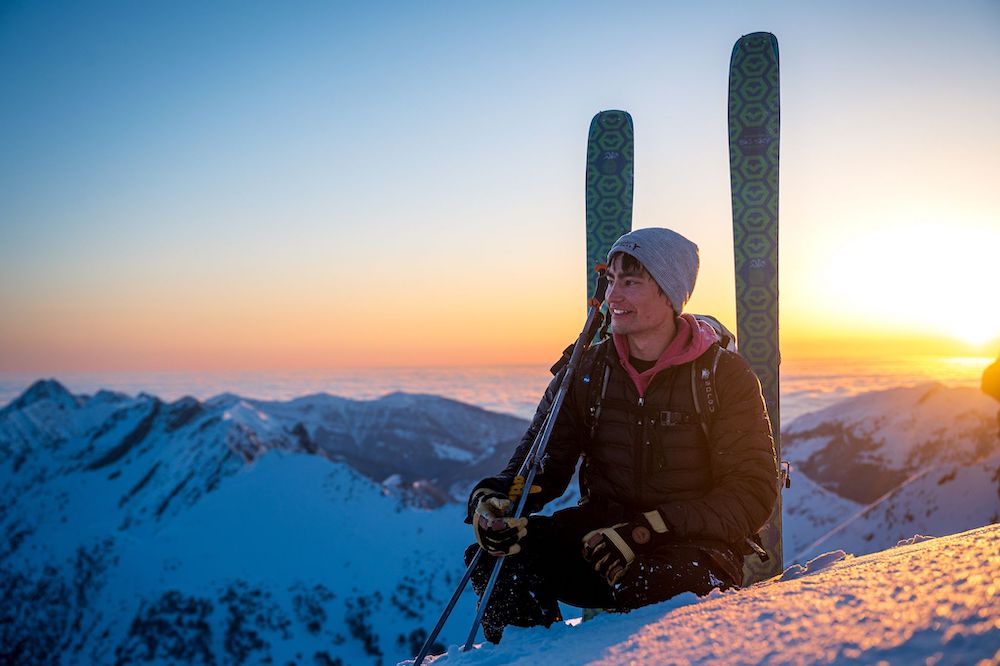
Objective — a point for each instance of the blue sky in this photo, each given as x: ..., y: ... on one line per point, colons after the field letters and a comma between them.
x: 234, y: 175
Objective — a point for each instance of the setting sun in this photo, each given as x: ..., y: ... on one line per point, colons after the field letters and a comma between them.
x: 925, y: 277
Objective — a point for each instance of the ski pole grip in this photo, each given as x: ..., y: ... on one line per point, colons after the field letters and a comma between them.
x: 516, y: 488
x: 601, y: 287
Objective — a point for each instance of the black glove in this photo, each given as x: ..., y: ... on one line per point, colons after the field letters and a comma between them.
x: 495, y: 532
x: 612, y: 549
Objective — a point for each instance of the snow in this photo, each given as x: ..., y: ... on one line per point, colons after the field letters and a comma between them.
x: 881, y: 466
x: 916, y: 538
x: 177, y: 525
x: 815, y: 565
x: 447, y: 452
x: 810, y: 512
x: 931, y: 602
x: 938, y: 414
x: 244, y: 412
x: 939, y: 500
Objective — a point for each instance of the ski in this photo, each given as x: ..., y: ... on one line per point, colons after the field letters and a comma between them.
x: 754, y: 122
x: 610, y: 153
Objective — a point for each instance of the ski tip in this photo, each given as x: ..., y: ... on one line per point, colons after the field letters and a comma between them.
x: 754, y: 38
x: 612, y: 119
x: 757, y: 35
x: 616, y: 114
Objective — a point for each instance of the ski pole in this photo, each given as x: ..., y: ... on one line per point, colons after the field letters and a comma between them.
x: 426, y: 647
x: 528, y: 466
x: 531, y: 463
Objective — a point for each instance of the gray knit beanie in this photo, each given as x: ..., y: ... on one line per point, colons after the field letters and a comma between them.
x: 670, y: 258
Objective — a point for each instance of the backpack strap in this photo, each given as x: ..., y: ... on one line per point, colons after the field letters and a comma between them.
x: 563, y: 360
x: 706, y: 397
x: 596, y: 379
x: 706, y: 402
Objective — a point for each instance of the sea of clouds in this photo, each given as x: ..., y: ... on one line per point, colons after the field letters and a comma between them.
x: 806, y: 385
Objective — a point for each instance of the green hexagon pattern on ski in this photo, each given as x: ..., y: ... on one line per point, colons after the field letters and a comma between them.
x: 754, y: 123
x: 610, y: 153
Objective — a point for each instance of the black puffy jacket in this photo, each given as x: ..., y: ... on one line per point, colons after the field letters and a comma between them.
x: 654, y: 453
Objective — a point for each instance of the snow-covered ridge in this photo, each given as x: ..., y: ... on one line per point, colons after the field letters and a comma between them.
x: 230, y: 530
x: 882, y: 466
x: 437, y: 443
x: 885, y: 437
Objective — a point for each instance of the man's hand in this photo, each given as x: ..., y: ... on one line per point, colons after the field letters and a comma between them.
x: 495, y: 532
x: 612, y: 549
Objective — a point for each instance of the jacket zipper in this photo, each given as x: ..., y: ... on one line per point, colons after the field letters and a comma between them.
x: 640, y: 464
x: 647, y: 452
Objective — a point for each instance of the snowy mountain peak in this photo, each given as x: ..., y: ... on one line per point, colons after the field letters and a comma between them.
x: 181, y: 412
x: 882, y: 466
x: 405, y: 398
x: 223, y: 399
x: 106, y: 396
x: 44, y: 389
x: 867, y: 445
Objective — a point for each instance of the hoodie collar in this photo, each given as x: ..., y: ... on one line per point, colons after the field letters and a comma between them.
x: 692, y: 339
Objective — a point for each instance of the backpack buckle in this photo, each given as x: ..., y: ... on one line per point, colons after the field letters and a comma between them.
x: 673, y: 418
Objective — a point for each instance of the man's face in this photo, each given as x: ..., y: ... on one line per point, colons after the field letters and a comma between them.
x: 634, y: 301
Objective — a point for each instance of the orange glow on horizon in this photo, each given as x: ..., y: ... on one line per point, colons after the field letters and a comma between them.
x: 410, y: 337
x: 275, y: 324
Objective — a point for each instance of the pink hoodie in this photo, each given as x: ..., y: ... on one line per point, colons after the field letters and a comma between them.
x: 692, y: 339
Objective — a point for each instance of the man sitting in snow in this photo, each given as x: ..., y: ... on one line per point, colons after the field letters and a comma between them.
x: 665, y: 508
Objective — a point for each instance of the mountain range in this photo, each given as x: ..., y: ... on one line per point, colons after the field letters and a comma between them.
x: 326, y: 530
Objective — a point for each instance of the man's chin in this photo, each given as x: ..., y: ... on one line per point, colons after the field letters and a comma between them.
x: 617, y: 328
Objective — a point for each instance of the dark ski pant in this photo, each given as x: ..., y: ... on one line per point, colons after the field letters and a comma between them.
x: 550, y: 568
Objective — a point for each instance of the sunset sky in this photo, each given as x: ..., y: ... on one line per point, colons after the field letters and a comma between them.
x: 251, y: 185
